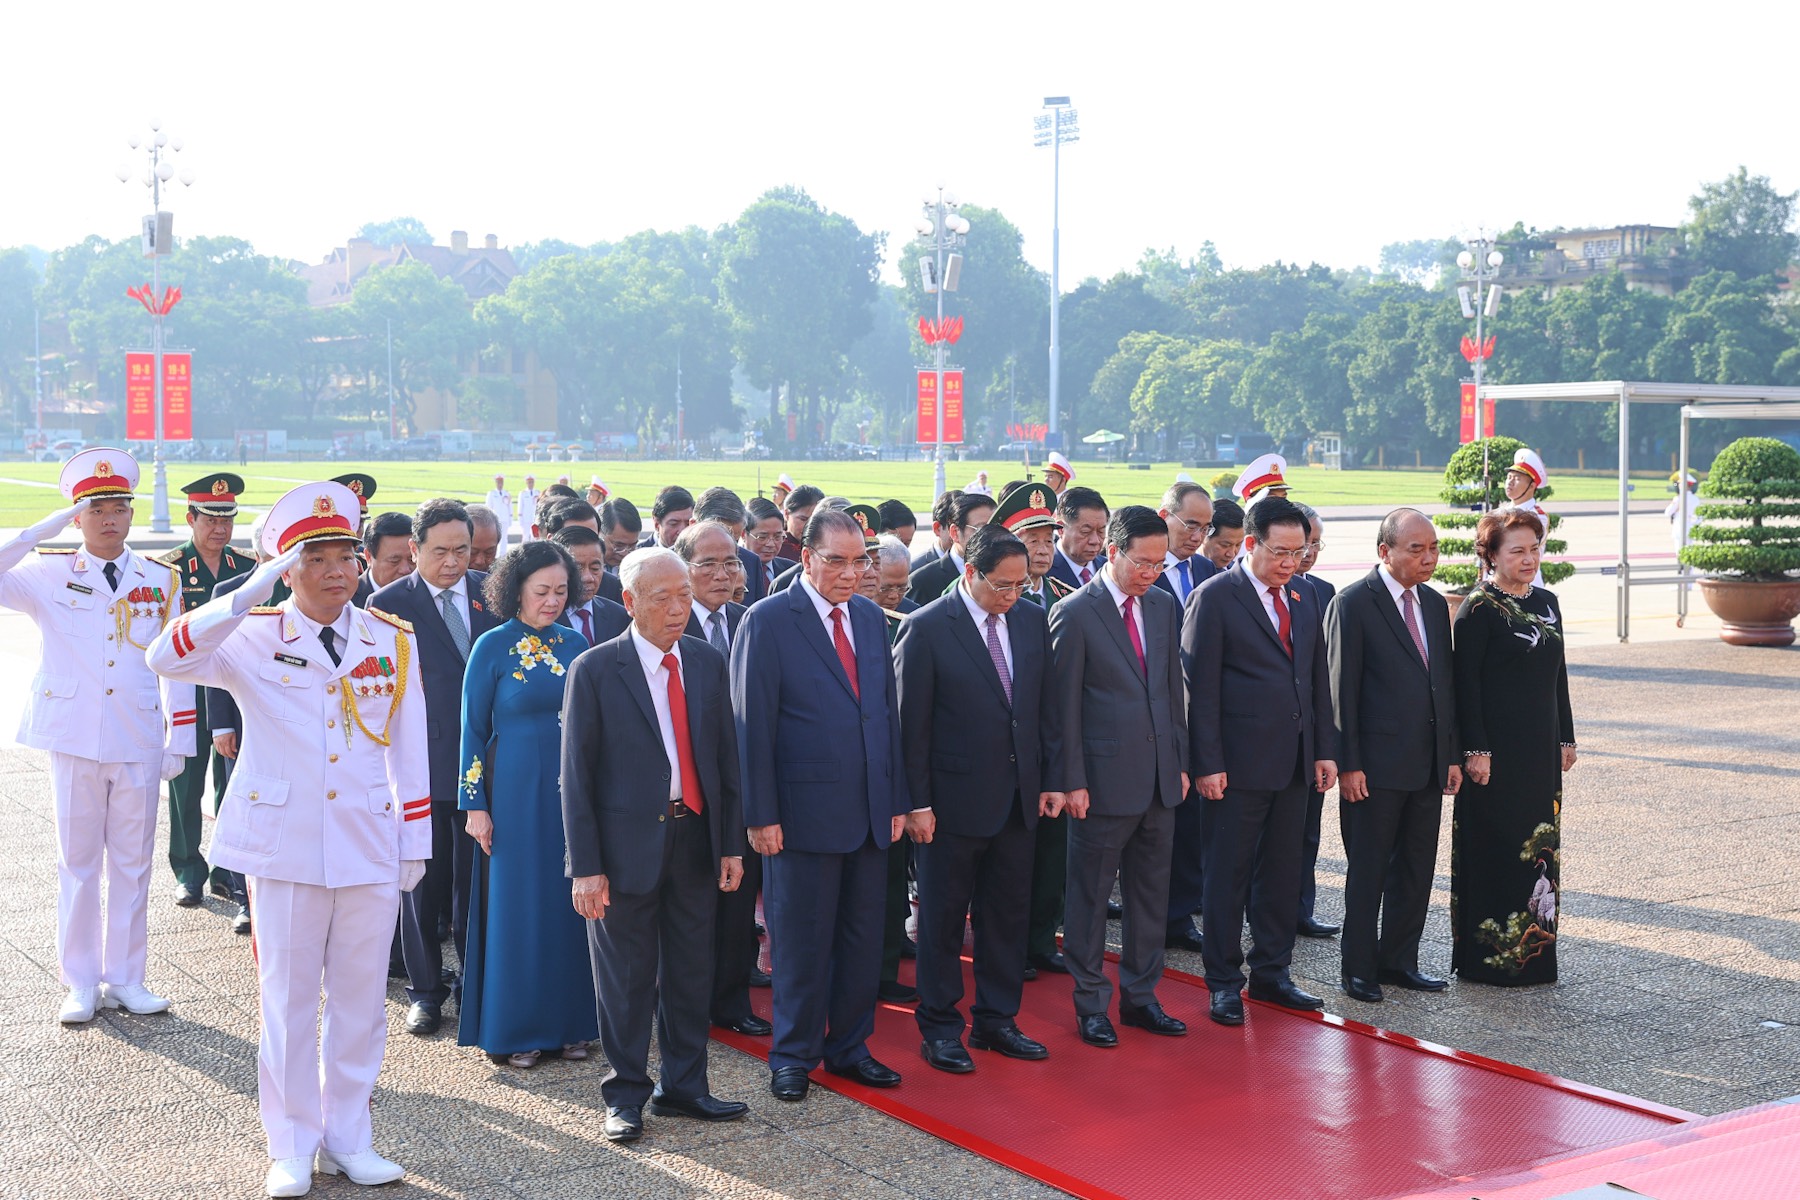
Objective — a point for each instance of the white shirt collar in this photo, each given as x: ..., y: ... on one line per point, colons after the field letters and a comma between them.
x: 649, y: 655
x: 1394, y: 586
x: 977, y: 613
x: 1118, y: 597
x: 703, y: 615
x: 1262, y: 585
x: 820, y: 604
x: 457, y: 589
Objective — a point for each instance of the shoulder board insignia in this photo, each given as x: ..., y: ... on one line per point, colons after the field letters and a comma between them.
x: 55, y: 550
x: 895, y: 616
x: 168, y: 558
x: 265, y: 610
x: 391, y: 619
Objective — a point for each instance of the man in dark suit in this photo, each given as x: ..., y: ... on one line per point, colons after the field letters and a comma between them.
x: 620, y: 528
x: 1122, y: 736
x: 1080, y: 546
x: 764, y: 532
x: 1261, y: 732
x: 1322, y: 591
x: 442, y: 600
x: 599, y: 618
x: 1187, y: 509
x: 649, y: 849
x: 899, y: 520
x: 943, y: 519
x: 972, y: 668
x: 972, y: 511
x: 824, y: 796
x: 1394, y: 696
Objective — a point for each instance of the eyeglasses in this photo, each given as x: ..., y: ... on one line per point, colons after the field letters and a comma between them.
x: 1005, y: 589
x: 1186, y: 524
x: 837, y: 562
x: 891, y: 589
x: 1285, y: 556
x: 765, y: 538
x: 1139, y: 563
x: 1314, y: 549
x: 715, y: 566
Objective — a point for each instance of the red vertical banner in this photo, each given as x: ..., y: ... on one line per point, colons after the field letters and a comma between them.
x: 178, y: 397
x: 1467, y: 433
x: 1487, y: 416
x: 140, y: 397
x: 927, y: 420
x: 953, y: 408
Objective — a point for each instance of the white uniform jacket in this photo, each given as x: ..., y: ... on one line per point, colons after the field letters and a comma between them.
x: 502, y: 504
x: 94, y: 696
x: 315, y: 797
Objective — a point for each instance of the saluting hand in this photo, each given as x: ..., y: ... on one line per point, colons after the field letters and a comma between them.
x: 591, y: 896
x: 59, y: 520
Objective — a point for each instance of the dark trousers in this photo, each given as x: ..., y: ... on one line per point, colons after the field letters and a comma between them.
x: 1391, y: 840
x: 1135, y: 850
x: 824, y: 914
x: 652, y: 956
x: 735, y: 945
x: 1252, y: 843
x: 1309, y: 854
x: 1187, y: 876
x: 445, y: 889
x: 240, y: 889
x: 1049, y: 877
x: 895, y: 910
x: 987, y: 879
x: 186, y: 793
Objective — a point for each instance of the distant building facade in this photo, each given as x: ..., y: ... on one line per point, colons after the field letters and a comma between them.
x: 1575, y: 257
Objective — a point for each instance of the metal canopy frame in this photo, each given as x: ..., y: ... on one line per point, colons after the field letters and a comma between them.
x: 1697, y: 401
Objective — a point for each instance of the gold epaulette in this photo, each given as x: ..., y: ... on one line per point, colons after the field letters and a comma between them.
x: 898, y: 616
x: 264, y: 610
x: 391, y: 619
x: 56, y: 549
x: 169, y: 558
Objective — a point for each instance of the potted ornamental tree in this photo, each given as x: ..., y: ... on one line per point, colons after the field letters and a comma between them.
x: 1458, y: 572
x: 1748, y: 542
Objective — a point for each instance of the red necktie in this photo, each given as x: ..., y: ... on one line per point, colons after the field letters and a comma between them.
x: 846, y: 655
x: 1087, y: 574
x: 1131, y: 630
x: 587, y: 623
x: 1286, y: 623
x: 684, y: 744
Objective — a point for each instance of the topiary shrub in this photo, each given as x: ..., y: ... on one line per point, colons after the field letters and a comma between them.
x: 1753, y: 534
x: 1463, y: 488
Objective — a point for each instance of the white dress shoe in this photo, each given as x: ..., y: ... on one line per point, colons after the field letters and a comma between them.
x: 78, y: 1006
x: 133, y: 997
x: 289, y: 1177
x: 365, y: 1167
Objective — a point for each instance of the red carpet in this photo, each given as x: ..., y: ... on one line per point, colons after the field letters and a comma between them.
x: 1289, y: 1105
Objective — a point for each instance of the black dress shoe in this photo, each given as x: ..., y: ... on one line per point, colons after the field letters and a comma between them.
x: 1151, y: 1017
x: 869, y: 1073
x: 759, y: 978
x: 1368, y: 991
x: 221, y: 889
x: 396, y: 969
x: 1115, y: 911
x: 1030, y: 974
x: 1053, y: 962
x: 1007, y: 1040
x: 700, y: 1108
x: 1186, y: 939
x: 423, y: 1019
x: 1415, y: 981
x: 187, y: 895
x: 895, y: 992
x: 909, y: 948
x: 1308, y: 927
x: 1287, y: 995
x: 947, y: 1054
x: 1227, y: 1008
x: 624, y: 1123
x: 751, y: 1026
x: 1096, y: 1030
x: 789, y: 1083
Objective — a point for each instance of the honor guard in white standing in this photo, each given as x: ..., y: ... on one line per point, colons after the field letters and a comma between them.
x: 1265, y: 476
x: 328, y: 813
x: 501, y: 501
x: 1523, y: 479
x: 111, y: 731
x: 528, y: 504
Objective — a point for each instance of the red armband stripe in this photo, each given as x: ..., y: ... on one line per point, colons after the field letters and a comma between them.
x: 417, y: 814
x: 412, y: 804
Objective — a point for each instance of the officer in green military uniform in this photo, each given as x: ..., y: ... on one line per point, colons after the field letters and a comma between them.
x: 362, y: 487
x: 201, y: 563
x: 1028, y: 511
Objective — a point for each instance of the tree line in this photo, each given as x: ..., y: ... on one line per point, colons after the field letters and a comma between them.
x: 781, y: 319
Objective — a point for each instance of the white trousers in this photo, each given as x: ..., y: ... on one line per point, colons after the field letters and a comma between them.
x: 308, y: 937
x: 105, y: 827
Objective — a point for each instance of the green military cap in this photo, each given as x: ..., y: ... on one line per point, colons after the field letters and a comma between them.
x: 361, y: 486
x: 869, y: 517
x: 215, y: 495
x: 1028, y: 506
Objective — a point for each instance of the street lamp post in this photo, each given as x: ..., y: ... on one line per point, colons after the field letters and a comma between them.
x: 158, y: 234
x: 1480, y: 298
x: 942, y: 229
x: 1052, y: 130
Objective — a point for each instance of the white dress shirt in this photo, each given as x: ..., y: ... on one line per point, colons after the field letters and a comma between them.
x: 459, y: 596
x: 658, y: 678
x: 1075, y: 568
x: 1395, y: 589
x: 1268, y: 601
x: 824, y: 608
x: 704, y: 616
x: 980, y: 616
x: 1172, y: 568
x: 1137, y: 608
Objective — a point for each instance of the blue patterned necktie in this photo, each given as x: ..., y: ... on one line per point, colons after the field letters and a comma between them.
x: 459, y: 632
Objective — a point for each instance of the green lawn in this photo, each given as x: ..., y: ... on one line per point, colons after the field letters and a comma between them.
x: 405, y: 484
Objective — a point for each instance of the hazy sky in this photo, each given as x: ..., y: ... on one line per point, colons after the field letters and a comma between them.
x: 1278, y: 131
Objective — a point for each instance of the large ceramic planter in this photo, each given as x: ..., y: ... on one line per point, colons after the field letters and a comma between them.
x: 1754, y: 614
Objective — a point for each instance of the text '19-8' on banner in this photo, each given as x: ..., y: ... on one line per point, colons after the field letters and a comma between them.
x: 953, y: 407
x: 140, y: 396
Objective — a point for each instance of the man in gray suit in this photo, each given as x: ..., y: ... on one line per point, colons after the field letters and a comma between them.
x: 1260, y: 728
x: 1116, y: 671
x: 650, y: 850
x: 1388, y: 637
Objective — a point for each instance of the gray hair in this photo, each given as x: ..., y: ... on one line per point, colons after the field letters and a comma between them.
x: 839, y: 502
x: 485, y: 517
x: 1389, y: 533
x: 892, y: 549
x: 644, y: 559
x: 690, y: 537
x: 825, y: 520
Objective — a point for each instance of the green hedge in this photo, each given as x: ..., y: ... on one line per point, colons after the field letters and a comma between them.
x: 1751, y: 539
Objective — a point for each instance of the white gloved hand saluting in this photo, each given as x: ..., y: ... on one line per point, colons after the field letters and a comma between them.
x: 411, y: 871
x: 57, y: 521
x: 261, y: 584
